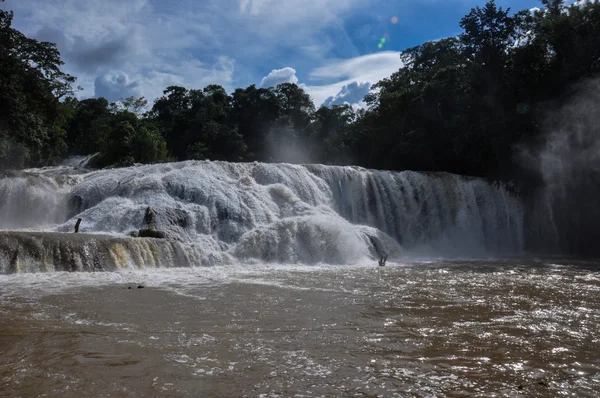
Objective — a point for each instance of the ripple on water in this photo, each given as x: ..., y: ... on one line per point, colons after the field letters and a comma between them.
x: 412, y: 330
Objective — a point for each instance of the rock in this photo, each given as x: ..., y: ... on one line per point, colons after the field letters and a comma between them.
x: 151, y: 233
x: 140, y: 287
x: 149, y: 217
x: 129, y: 287
x: 75, y: 205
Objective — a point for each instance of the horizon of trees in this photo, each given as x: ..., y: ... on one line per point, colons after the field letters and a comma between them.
x: 460, y: 104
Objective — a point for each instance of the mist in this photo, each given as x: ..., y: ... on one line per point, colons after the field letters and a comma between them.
x: 286, y: 144
x: 566, y: 209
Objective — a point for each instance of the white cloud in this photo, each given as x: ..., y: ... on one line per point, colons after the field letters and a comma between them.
x: 384, y: 62
x: 118, y: 48
x: 343, y: 81
x: 116, y: 85
x: 339, y: 73
x: 294, y: 12
x: 350, y: 94
x: 278, y: 76
x: 141, y: 46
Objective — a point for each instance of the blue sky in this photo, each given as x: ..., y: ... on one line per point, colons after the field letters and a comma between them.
x: 118, y: 48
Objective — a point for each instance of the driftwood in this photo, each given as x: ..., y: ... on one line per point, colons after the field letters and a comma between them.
x: 77, y: 225
x: 382, y: 254
x: 383, y: 259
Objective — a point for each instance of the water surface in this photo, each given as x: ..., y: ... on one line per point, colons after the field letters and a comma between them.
x: 526, y: 328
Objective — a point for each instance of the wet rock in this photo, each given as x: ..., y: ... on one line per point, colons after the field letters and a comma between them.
x: 176, y: 217
x: 150, y: 217
x: 67, y: 252
x: 151, y: 233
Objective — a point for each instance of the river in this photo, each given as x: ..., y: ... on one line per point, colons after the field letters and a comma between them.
x: 488, y: 328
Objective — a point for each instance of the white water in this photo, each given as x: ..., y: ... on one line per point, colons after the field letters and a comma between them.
x: 254, y: 212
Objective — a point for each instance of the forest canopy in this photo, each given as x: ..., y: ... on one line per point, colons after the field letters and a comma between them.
x: 460, y: 104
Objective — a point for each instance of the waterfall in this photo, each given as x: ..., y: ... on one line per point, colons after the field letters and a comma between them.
x: 48, y: 252
x: 256, y: 212
x: 29, y: 200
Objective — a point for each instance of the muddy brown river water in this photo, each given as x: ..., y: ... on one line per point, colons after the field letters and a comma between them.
x: 516, y: 328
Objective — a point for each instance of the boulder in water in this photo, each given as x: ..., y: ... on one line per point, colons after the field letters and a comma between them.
x: 151, y: 233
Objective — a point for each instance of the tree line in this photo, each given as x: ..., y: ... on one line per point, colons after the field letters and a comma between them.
x: 460, y: 104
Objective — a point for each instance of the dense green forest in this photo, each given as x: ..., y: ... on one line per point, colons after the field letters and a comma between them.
x: 460, y: 104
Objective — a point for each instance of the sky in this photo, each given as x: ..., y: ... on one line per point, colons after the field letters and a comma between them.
x: 331, y: 48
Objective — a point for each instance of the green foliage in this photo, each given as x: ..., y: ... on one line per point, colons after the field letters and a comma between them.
x: 255, y: 112
x: 332, y: 133
x: 462, y: 104
x: 88, y: 126
x: 459, y: 104
x: 31, y: 84
x: 129, y: 140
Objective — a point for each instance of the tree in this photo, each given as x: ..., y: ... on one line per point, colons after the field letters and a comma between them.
x: 197, y: 124
x: 133, y: 104
x: 289, y: 138
x: 295, y: 103
x: 129, y: 140
x: 331, y: 133
x: 254, y: 112
x: 31, y: 85
x: 88, y: 125
x: 172, y: 114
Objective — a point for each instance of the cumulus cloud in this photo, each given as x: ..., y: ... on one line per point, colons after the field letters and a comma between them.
x: 337, y: 82
x: 120, y: 48
x: 352, y: 93
x: 87, y: 56
x: 278, y: 76
x: 116, y: 85
x: 194, y: 43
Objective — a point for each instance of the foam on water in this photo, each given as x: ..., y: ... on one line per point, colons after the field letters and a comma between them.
x: 254, y: 212
x: 474, y: 328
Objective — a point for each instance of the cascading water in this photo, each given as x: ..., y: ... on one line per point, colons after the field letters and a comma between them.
x: 30, y: 200
x: 254, y: 212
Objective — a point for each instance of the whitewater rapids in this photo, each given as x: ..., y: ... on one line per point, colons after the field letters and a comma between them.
x: 221, y: 213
